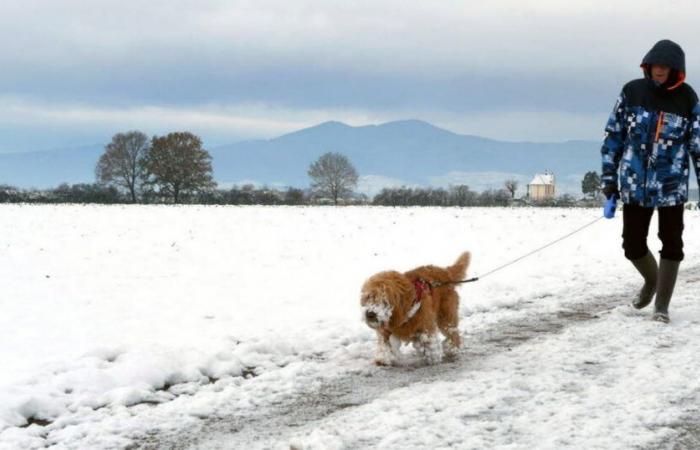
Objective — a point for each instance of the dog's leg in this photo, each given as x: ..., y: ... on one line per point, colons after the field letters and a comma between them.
x: 386, y: 355
x: 452, y: 342
x: 448, y: 320
x: 428, y: 346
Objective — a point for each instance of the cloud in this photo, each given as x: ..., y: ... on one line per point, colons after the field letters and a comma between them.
x: 324, y: 54
x: 217, y: 124
x: 379, y: 36
x: 225, y: 124
x: 213, y: 63
x: 254, y: 118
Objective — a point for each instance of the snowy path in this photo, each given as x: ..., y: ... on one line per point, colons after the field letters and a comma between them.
x: 278, y: 425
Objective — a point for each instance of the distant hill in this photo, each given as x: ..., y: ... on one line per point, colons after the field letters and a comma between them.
x: 50, y: 168
x: 408, y: 152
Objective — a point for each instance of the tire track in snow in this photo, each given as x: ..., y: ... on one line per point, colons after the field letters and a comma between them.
x: 356, y: 388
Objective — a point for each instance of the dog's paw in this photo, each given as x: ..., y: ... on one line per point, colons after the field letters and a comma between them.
x: 450, y: 351
x: 383, y: 362
x: 429, y: 347
x: 433, y: 358
x: 385, y: 356
x: 450, y: 356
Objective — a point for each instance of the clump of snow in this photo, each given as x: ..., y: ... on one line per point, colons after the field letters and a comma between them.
x: 385, y: 354
x: 318, y: 440
x: 382, y: 310
x: 429, y: 347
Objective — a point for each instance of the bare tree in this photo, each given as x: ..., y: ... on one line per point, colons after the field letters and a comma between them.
x: 177, y: 164
x: 333, y: 175
x: 119, y: 164
x: 294, y: 196
x: 461, y: 195
x: 511, y: 186
x: 491, y: 197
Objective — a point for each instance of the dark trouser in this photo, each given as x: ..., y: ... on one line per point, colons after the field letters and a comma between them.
x: 635, y: 229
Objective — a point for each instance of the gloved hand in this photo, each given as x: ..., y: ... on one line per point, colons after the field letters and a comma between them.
x: 610, y: 206
x: 611, y: 190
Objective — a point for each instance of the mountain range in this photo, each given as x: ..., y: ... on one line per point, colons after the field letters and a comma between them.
x: 405, y: 152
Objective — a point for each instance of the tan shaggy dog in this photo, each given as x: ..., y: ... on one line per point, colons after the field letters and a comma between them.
x: 411, y: 307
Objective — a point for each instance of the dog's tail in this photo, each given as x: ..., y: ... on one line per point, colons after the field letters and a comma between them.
x: 458, y: 270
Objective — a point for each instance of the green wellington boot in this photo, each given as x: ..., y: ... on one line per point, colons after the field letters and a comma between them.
x: 646, y: 265
x: 668, y: 272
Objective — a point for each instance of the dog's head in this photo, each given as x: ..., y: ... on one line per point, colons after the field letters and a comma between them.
x: 382, y: 298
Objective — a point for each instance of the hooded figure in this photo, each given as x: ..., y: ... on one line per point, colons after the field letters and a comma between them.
x: 666, y: 53
x: 651, y: 136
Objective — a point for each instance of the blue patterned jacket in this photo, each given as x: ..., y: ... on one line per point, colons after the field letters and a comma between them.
x: 651, y: 135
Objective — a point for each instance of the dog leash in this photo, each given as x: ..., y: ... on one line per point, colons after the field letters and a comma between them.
x: 471, y: 280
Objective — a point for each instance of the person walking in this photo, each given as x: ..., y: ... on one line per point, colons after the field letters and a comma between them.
x: 652, y: 133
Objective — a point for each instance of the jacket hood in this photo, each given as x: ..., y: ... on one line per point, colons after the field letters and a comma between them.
x: 667, y: 53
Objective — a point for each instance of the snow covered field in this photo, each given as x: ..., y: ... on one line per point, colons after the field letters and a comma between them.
x: 239, y: 327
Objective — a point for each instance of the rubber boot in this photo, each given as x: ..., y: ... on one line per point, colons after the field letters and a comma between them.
x: 646, y: 266
x: 668, y: 272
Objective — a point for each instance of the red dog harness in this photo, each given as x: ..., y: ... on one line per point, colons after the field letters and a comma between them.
x: 420, y: 286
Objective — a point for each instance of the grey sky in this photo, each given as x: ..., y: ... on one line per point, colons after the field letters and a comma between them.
x: 76, y: 72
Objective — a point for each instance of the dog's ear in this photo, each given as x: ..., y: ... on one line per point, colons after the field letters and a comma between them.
x: 387, y: 292
x: 370, y: 291
x: 364, y: 294
x: 392, y: 288
x: 399, y: 292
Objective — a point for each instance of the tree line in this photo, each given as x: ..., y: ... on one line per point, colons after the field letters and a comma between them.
x: 249, y: 194
x: 175, y: 168
x: 461, y: 195
x: 170, y: 166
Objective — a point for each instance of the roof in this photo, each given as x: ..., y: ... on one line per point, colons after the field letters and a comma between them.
x: 543, y: 178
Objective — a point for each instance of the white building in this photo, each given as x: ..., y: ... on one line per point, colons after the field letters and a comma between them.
x: 541, y: 187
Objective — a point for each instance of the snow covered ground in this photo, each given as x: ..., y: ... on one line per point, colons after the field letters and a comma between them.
x: 239, y: 327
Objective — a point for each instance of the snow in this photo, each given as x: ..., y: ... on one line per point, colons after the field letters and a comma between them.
x: 126, y: 325
x: 542, y: 179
